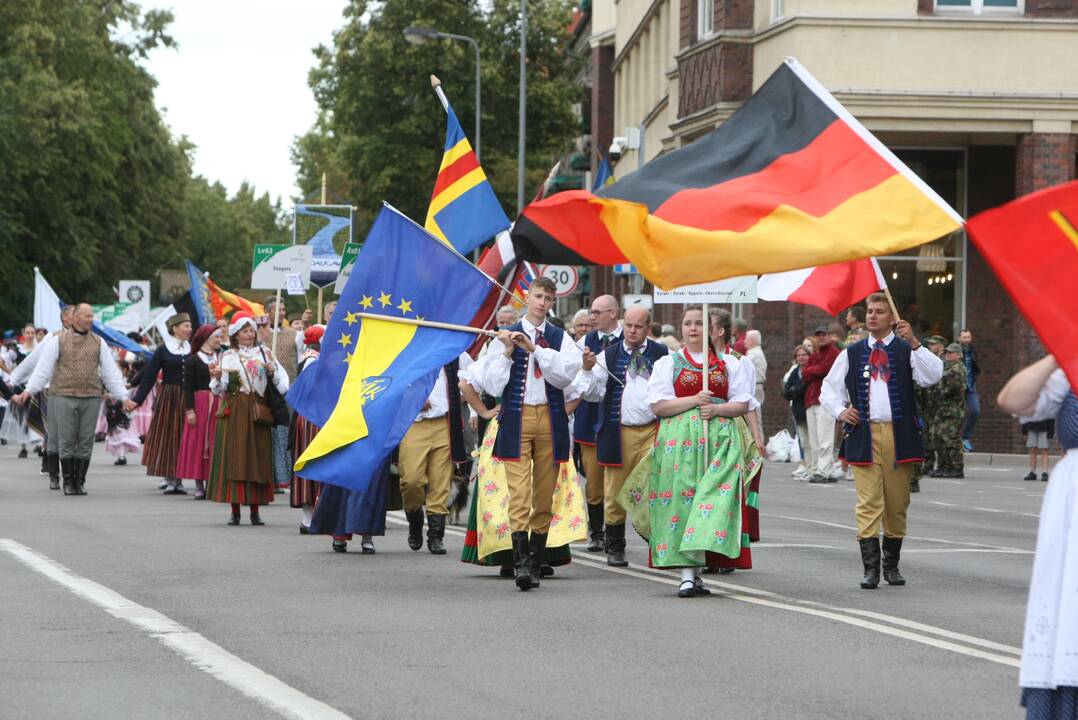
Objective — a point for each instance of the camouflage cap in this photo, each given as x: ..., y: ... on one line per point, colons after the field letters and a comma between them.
x: 955, y: 348
x: 935, y: 340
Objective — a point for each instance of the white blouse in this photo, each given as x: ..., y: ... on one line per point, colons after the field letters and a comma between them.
x: 248, y: 364
x: 741, y: 382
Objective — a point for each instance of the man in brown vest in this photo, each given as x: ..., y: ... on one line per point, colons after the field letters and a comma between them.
x: 74, y: 367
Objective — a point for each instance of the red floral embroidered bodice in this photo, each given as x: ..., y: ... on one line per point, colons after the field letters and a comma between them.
x: 688, y: 379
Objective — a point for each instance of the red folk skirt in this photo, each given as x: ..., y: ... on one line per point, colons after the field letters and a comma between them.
x: 196, y: 442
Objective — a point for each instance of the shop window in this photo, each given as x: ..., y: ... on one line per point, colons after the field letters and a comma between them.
x: 705, y: 19
x: 978, y: 7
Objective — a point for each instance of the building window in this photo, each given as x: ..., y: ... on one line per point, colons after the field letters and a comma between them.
x: 778, y: 10
x: 705, y: 19
x: 979, y: 7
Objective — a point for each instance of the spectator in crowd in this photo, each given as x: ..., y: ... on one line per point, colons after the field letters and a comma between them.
x: 1038, y: 433
x: 793, y: 389
x: 740, y: 327
x: 755, y: 354
x: 838, y: 335
x: 821, y: 425
x: 973, y: 400
x: 655, y: 331
x: 507, y: 316
x: 669, y: 338
x: 948, y: 426
x: 582, y: 324
x: 855, y: 324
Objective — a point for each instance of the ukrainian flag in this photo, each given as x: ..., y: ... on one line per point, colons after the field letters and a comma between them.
x: 373, y: 376
x: 464, y: 211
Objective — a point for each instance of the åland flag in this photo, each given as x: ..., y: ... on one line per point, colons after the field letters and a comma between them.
x: 464, y: 211
x: 200, y: 295
x: 791, y: 180
x: 1032, y: 246
x: 373, y: 376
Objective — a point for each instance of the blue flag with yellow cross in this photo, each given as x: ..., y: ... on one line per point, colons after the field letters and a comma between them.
x: 373, y: 376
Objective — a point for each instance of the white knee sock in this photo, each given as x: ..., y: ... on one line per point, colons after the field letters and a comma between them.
x: 688, y: 574
x: 308, y: 513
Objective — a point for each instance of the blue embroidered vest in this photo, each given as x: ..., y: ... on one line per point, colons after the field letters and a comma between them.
x: 1067, y: 422
x: 586, y: 417
x: 609, y: 429
x: 905, y: 415
x: 507, y: 444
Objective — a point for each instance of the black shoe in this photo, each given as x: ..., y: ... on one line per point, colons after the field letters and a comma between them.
x: 892, y: 549
x: 546, y: 571
x: 44, y: 460
x: 537, y: 557
x: 82, y: 465
x: 615, y: 546
x: 340, y: 546
x: 934, y: 473
x: 70, y: 472
x: 819, y: 479
x: 120, y: 461
x: 256, y: 520
x: 726, y: 571
x: 38, y: 451
x: 915, y: 486
x: 958, y: 474
x: 436, y: 534
x: 23, y: 454
x: 177, y: 489
x: 366, y: 547
x: 595, y: 527
x: 687, y: 589
x: 520, y: 560
x: 415, y: 528
x: 506, y: 571
x: 1044, y: 477
x: 870, y: 558
x: 702, y: 589
x: 304, y: 530
x: 234, y: 520
x: 1030, y: 476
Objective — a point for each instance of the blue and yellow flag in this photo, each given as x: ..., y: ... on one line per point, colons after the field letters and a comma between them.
x: 464, y: 211
x: 200, y: 295
x: 373, y: 376
x: 603, y: 175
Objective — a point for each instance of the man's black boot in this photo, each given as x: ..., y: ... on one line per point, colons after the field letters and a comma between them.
x: 536, y: 557
x: 436, y: 534
x: 615, y: 546
x: 892, y: 550
x: 870, y: 557
x: 595, y: 527
x: 82, y: 466
x: 521, y: 564
x: 415, y: 528
x: 70, y: 473
x: 54, y: 471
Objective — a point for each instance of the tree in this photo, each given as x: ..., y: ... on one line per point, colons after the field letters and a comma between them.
x: 380, y: 130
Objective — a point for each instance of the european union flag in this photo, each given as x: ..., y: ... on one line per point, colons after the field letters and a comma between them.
x: 373, y: 376
x: 464, y: 211
x: 200, y: 295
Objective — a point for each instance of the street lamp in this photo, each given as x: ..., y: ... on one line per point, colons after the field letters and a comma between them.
x: 420, y: 35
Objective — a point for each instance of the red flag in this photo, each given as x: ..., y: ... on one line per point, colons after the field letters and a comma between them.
x: 830, y: 287
x: 1032, y: 245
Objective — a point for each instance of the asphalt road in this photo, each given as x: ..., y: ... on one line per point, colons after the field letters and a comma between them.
x: 132, y: 604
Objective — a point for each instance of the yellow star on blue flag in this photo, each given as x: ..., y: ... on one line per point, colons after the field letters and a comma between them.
x: 373, y: 378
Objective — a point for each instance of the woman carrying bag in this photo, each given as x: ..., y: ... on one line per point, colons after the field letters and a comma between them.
x: 241, y: 472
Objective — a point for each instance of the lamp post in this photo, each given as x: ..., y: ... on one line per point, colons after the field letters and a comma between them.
x: 420, y: 35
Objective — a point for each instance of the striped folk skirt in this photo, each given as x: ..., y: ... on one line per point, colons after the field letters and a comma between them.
x: 241, y: 470
x: 162, y: 445
x: 196, y: 443
x: 303, y: 492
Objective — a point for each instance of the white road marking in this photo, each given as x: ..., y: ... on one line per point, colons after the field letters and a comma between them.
x: 1017, y: 551
x: 753, y: 596
x: 196, y: 649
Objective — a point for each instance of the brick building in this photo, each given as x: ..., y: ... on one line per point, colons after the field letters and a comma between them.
x: 978, y: 97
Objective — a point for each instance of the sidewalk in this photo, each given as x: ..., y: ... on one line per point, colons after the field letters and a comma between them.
x: 1000, y: 460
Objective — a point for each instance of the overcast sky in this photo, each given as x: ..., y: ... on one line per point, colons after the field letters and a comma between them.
x: 237, y: 85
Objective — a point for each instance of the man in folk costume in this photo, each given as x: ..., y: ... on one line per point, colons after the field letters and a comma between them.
x: 871, y: 389
x: 616, y: 380
x: 538, y: 363
x: 74, y: 367
x: 607, y: 332
x: 427, y: 455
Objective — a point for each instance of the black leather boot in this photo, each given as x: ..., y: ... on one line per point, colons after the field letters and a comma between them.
x: 892, y: 550
x: 54, y: 471
x: 44, y: 461
x: 70, y: 473
x: 615, y: 546
x: 595, y: 527
x: 870, y: 557
x: 435, y: 534
x: 82, y: 465
x: 536, y: 557
x: 415, y: 528
x: 521, y: 569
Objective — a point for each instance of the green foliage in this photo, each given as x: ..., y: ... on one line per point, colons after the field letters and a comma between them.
x: 380, y: 132
x: 92, y: 186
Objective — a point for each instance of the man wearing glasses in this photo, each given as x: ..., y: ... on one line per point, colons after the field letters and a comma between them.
x: 604, y: 316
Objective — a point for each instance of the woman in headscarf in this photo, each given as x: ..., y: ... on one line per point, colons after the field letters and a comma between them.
x: 200, y: 408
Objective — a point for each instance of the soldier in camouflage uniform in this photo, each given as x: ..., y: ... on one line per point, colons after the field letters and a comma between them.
x: 950, y: 413
x: 926, y: 401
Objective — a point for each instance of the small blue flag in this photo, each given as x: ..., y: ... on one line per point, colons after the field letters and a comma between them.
x: 200, y: 295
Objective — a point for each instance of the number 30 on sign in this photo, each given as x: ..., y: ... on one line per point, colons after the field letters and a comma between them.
x: 565, y: 278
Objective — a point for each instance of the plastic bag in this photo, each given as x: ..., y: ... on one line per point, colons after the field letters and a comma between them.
x: 781, y: 447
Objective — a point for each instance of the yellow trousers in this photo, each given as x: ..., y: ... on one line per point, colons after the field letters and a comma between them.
x: 883, y: 488
x: 636, y: 444
x: 593, y: 473
x: 426, y: 466
x: 532, y: 478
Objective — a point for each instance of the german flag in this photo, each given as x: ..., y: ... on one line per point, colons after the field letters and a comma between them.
x: 791, y: 180
x: 1032, y: 246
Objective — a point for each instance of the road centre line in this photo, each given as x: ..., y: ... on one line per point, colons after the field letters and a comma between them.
x: 193, y: 647
x: 769, y: 599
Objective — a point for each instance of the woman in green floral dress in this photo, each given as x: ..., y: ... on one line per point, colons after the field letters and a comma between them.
x: 695, y: 481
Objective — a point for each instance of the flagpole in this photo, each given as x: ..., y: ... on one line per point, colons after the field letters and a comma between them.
x: 426, y: 323
x: 707, y: 359
x: 891, y: 302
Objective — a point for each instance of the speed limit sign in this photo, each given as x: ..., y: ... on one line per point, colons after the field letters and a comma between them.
x: 565, y: 278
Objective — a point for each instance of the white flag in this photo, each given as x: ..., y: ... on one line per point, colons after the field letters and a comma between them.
x: 46, y: 304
